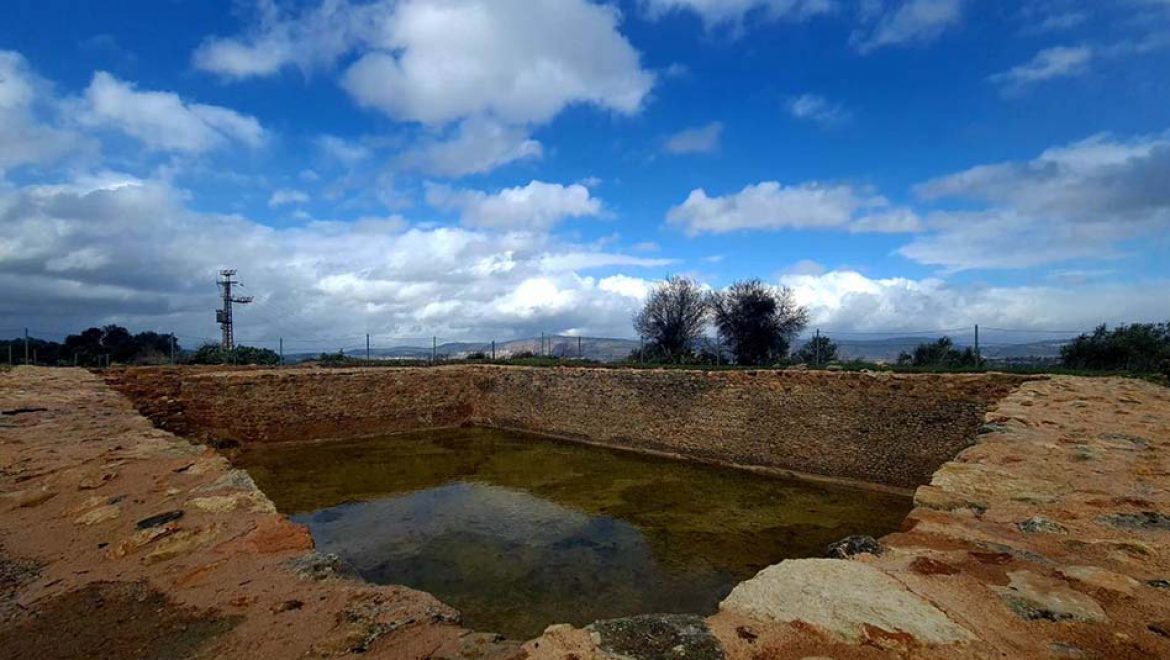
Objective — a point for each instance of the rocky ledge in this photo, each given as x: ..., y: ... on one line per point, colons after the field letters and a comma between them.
x: 119, y: 540
x: 1048, y: 538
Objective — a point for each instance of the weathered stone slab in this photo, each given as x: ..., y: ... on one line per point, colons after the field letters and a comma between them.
x: 843, y: 598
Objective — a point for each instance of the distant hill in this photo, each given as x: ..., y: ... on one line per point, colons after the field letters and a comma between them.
x: 613, y: 350
x: 591, y: 348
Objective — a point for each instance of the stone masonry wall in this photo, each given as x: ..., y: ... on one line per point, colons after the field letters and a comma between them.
x: 880, y: 428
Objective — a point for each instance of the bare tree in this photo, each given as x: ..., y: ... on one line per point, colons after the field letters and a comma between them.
x: 674, y: 316
x: 757, y: 321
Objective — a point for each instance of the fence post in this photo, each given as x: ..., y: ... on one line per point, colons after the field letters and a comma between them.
x: 434, y: 349
x: 172, y: 352
x: 368, y: 349
x: 282, y: 351
x: 493, y: 350
x: 26, y: 345
x: 9, y: 353
x: 580, y: 353
x: 642, y: 350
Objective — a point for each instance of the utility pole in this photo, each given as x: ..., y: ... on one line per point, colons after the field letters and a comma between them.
x: 224, y: 316
x: 26, y: 345
x: 817, y: 346
x: 978, y: 355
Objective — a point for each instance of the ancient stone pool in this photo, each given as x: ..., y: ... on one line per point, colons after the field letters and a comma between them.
x: 519, y: 531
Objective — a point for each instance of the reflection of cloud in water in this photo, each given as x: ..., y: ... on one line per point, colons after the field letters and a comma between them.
x: 494, y: 552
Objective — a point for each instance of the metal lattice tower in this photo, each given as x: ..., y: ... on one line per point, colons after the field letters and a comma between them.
x: 224, y: 316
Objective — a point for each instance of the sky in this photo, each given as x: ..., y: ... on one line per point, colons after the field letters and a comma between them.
x: 494, y: 169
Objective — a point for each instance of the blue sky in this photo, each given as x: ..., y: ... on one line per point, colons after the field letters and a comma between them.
x: 479, y: 169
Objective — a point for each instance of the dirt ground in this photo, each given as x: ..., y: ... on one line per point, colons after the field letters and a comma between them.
x: 1049, y: 538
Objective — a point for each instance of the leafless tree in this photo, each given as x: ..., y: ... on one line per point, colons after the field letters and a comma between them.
x: 757, y: 321
x: 674, y: 316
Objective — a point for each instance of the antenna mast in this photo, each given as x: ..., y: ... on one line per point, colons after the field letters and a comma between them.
x: 224, y: 316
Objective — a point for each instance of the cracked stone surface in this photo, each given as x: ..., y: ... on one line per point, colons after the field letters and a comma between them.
x: 76, y: 478
x: 1045, y: 539
x: 843, y: 598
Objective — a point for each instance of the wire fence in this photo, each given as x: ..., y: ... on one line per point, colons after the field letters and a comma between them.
x: 377, y: 348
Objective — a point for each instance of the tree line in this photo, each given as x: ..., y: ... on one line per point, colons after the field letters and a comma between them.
x: 105, y: 345
x: 757, y: 324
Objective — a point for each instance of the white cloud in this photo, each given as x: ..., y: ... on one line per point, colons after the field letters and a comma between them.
x: 772, y: 206
x: 26, y: 138
x: 163, y: 121
x: 327, y: 280
x: 481, y: 74
x: 848, y: 300
x: 314, y: 39
x: 1057, y: 62
x: 816, y: 108
x: 475, y: 146
x: 715, y: 13
x: 537, y: 206
x: 698, y: 140
x: 286, y: 196
x: 1074, y: 202
x: 521, y: 61
x: 346, y: 152
x: 912, y: 21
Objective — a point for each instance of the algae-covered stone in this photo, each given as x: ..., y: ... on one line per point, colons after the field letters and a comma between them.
x: 844, y: 598
x: 1034, y: 596
x: 658, y: 637
x: 1040, y: 525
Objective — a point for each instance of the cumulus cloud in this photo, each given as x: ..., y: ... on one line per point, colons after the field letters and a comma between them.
x: 441, y: 62
x: 909, y: 22
x: 475, y: 146
x: 321, y: 280
x: 848, y: 300
x: 436, y: 62
x: 493, y: 69
x: 537, y: 206
x: 773, y: 206
x: 1077, y: 201
x: 26, y: 137
x: 715, y: 13
x: 816, y: 108
x: 163, y: 120
x: 698, y: 140
x: 1058, y: 62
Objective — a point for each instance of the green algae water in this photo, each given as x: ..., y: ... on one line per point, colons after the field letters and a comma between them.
x: 518, y: 532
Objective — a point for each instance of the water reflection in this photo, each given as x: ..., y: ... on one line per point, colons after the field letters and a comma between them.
x: 518, y: 532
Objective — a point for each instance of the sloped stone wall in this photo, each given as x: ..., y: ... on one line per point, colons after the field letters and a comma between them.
x: 880, y: 428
